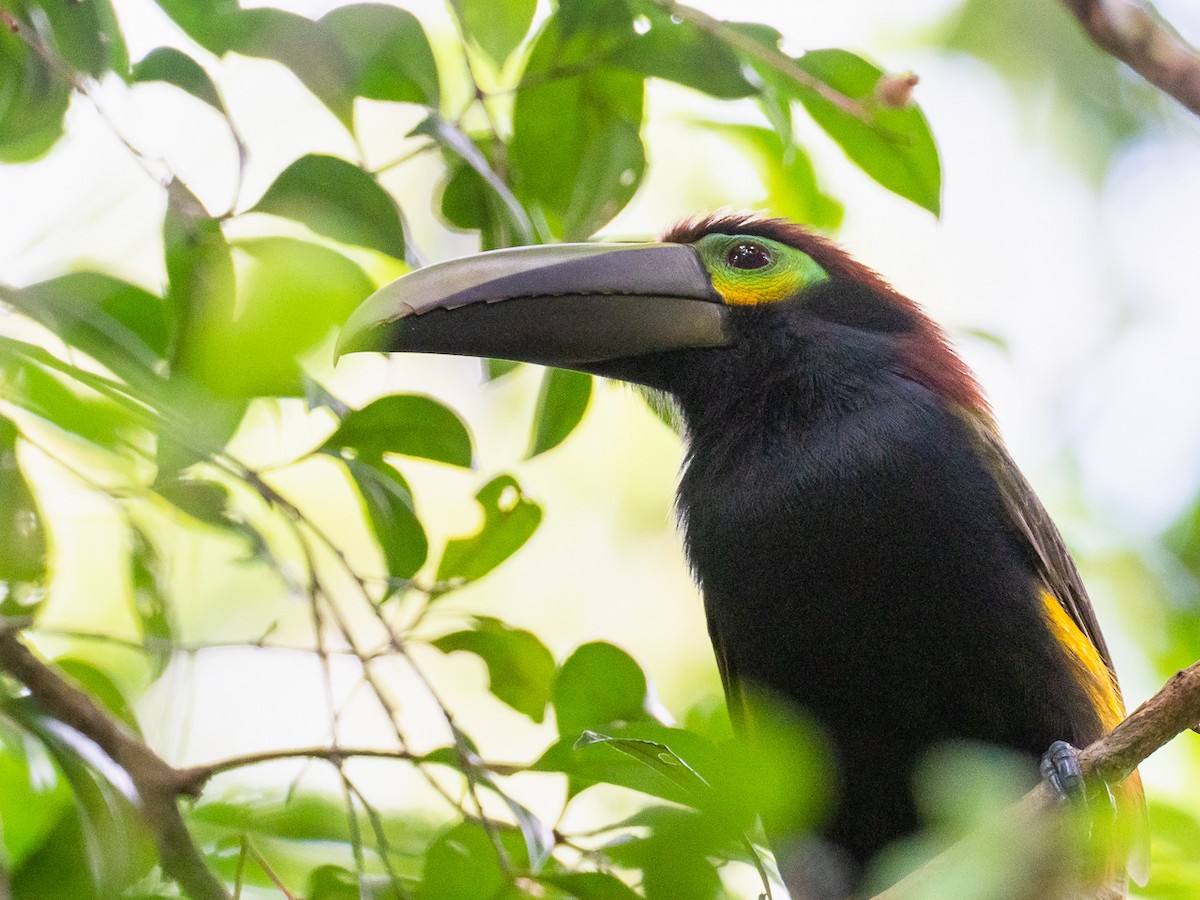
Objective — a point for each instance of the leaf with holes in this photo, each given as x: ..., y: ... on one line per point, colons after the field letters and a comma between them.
x: 509, y: 520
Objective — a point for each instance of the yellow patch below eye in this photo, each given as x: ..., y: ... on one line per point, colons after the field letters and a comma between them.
x: 1097, y: 681
x: 747, y: 291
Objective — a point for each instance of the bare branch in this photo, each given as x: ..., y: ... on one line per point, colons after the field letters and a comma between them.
x: 156, y: 781
x: 1133, y: 33
x: 1173, y: 710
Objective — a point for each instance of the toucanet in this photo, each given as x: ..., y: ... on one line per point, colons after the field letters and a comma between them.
x: 866, y: 547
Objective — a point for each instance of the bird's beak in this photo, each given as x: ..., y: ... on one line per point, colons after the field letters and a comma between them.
x: 566, y: 305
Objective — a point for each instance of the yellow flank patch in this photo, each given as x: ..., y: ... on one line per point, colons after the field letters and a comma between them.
x: 1097, y: 680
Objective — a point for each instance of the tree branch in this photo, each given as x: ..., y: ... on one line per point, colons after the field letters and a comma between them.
x: 157, y: 782
x: 1173, y: 710
x: 1136, y: 35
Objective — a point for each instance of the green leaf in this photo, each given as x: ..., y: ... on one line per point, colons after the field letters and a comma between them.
x: 576, y: 149
x: 406, y: 424
x: 290, y: 295
x: 598, y: 684
x: 32, y: 103
x: 22, y: 537
x: 204, y: 501
x: 787, y: 173
x: 657, y: 757
x: 338, y: 200
x: 591, y: 885
x: 462, y: 864
x: 33, y: 794
x: 895, y: 146
x: 388, y: 505
x: 148, y: 597
x: 83, y: 36
x: 175, y: 67
x: 520, y: 668
x: 389, y: 50
x: 507, y: 216
x: 114, y: 844
x: 561, y: 403
x: 28, y: 382
x: 662, y: 47
x: 199, y: 274
x: 312, y: 52
x: 496, y: 26
x: 101, y: 688
x: 309, y: 49
x: 116, y: 323
x: 509, y: 520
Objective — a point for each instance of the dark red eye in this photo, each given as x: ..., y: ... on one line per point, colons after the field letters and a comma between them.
x: 748, y: 255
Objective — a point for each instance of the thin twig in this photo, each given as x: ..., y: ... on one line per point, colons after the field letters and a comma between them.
x: 1135, y: 34
x: 769, y: 56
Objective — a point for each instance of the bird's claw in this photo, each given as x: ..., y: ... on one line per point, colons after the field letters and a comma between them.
x: 1060, y: 768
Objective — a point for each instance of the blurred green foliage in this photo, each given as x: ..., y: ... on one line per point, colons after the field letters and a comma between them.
x: 137, y: 394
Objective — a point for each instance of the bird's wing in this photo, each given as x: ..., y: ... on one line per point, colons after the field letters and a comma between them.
x: 1062, y: 583
x: 1048, y: 554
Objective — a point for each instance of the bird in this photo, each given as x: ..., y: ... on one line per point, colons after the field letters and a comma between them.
x: 866, y: 548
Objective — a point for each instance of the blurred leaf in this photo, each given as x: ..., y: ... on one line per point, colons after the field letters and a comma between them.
x: 1096, y: 103
x: 406, y: 424
x: 84, y: 36
x: 309, y: 49
x: 390, y: 52
x: 498, y: 368
x: 787, y: 173
x: 658, y: 45
x: 204, y: 501
x: 591, y: 885
x: 22, y: 538
x: 462, y: 864
x: 561, y: 403
x: 576, y: 148
x: 175, y: 67
x: 199, y: 272
x: 101, y: 688
x: 118, y: 324
x: 116, y: 847
x: 388, y: 504
x: 497, y: 26
x: 895, y: 147
x: 148, y: 595
x: 32, y: 103
x: 33, y: 795
x: 289, y: 296
x: 338, y: 200
x: 596, y: 685
x: 674, y: 857
x: 30, y: 379
x: 509, y: 520
x: 520, y: 668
